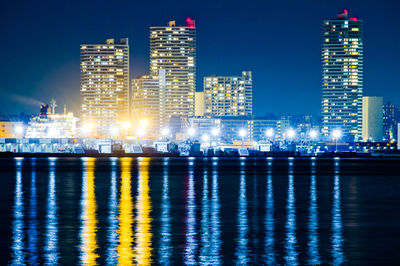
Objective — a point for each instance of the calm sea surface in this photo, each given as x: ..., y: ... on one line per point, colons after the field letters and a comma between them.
x: 199, y: 211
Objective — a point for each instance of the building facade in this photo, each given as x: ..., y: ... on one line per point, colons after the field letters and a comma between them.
x: 199, y: 107
x: 390, y: 120
x: 105, y: 85
x: 342, y: 76
x: 148, y: 93
x: 372, y: 119
x: 173, y: 48
x: 228, y: 95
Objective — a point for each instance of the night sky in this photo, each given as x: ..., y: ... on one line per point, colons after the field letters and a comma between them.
x: 280, y: 41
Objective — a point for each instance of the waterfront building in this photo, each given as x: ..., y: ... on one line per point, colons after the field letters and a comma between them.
x: 372, y: 121
x: 228, y: 95
x: 173, y: 48
x: 148, y: 101
x: 105, y: 85
x: 342, y: 76
x: 199, y: 107
x: 11, y: 129
x: 390, y: 120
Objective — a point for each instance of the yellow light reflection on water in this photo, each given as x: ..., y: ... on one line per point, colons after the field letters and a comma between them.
x: 89, y: 244
x: 143, y: 233
x: 124, y: 249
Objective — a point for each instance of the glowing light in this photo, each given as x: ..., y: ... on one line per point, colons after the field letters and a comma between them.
x: 337, y: 133
x: 313, y: 134
x: 19, y: 129
x: 290, y: 133
x: 114, y: 131
x: 126, y: 125
x: 165, y: 131
x: 144, y: 122
x: 242, y: 132
x: 87, y: 128
x: 215, y: 131
x: 270, y: 132
x: 205, y: 138
x: 140, y: 132
x: 191, y: 131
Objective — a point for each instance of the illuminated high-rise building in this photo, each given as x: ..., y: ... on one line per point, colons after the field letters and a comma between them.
x: 228, y: 96
x: 173, y: 48
x: 148, y: 101
x: 342, y: 76
x: 391, y: 117
x: 372, y: 119
x: 105, y: 85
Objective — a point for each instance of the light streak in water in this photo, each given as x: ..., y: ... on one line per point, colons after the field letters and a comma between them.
x: 33, y: 233
x: 337, y: 237
x: 125, y: 218
x: 88, y: 245
x: 17, y: 247
x: 313, y: 242
x: 291, y: 240
x: 51, y: 245
x: 215, y: 219
x: 205, y: 222
x: 165, y: 248
x: 191, y: 241
x: 243, y: 227
x: 112, y: 255
x: 269, y: 220
x: 143, y: 248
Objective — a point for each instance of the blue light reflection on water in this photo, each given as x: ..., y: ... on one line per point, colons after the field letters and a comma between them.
x: 205, y: 222
x: 242, y: 237
x: 165, y: 249
x: 51, y: 244
x: 337, y: 237
x: 17, y: 247
x: 291, y: 239
x: 33, y: 232
x: 112, y: 255
x: 191, y: 238
x: 313, y: 253
x: 269, y: 220
x: 215, y: 258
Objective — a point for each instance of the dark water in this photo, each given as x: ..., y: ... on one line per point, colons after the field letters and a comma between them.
x: 200, y: 211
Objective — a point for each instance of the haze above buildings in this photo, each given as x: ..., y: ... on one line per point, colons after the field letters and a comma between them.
x: 285, y: 67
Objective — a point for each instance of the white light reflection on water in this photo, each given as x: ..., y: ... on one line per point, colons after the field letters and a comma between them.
x: 191, y: 241
x: 269, y: 220
x: 337, y: 237
x: 112, y: 255
x: 33, y: 233
x: 291, y: 240
x: 243, y: 227
x: 88, y: 233
x: 51, y: 245
x: 313, y: 242
x: 18, y: 254
x: 215, y: 258
x: 165, y: 248
x: 205, y: 222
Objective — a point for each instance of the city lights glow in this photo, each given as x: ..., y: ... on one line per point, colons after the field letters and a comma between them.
x: 165, y: 131
x: 87, y: 128
x: 126, y: 125
x: 215, y: 131
x: 336, y: 134
x: 269, y: 133
x: 191, y: 131
x: 144, y: 122
x: 140, y: 132
x: 19, y: 129
x: 290, y: 133
x: 242, y: 132
x: 313, y: 134
x: 205, y: 138
x: 114, y: 130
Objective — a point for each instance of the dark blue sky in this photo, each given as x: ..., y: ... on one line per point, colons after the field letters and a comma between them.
x: 280, y: 41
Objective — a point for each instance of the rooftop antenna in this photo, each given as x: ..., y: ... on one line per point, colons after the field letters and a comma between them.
x: 53, y: 106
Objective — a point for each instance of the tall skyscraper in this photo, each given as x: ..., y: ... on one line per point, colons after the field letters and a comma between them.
x: 390, y: 119
x: 372, y: 123
x: 342, y: 76
x: 148, y: 101
x: 105, y: 85
x: 228, y: 96
x: 173, y: 48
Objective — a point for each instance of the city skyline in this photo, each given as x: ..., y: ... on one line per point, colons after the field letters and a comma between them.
x: 58, y: 75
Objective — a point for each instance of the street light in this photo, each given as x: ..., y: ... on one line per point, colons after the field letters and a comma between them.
x: 19, y: 129
x: 242, y: 134
x: 191, y: 131
x: 215, y: 131
x: 336, y: 134
x: 313, y: 134
x: 165, y: 132
x: 140, y: 132
x: 143, y: 123
x: 87, y: 128
x: 114, y: 131
x: 290, y: 133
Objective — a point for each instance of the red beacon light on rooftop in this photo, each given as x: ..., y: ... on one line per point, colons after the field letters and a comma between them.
x: 190, y: 22
x: 353, y: 19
